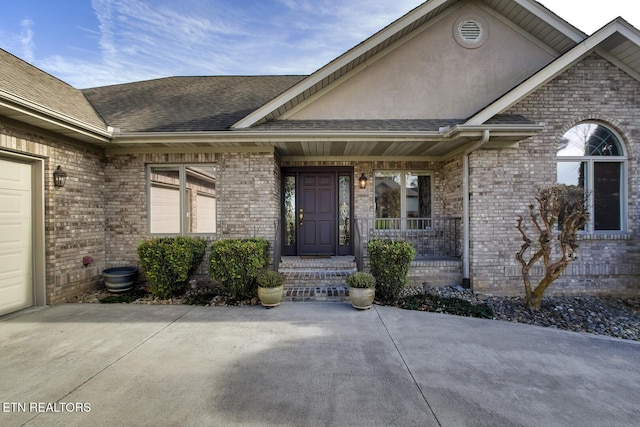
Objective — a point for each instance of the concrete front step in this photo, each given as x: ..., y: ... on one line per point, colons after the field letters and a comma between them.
x: 300, y: 264
x: 316, y: 278
x: 316, y: 293
x: 310, y: 273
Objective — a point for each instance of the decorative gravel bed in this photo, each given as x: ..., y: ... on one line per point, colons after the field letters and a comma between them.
x: 615, y: 317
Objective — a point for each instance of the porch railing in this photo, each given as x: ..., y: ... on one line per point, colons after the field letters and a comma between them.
x: 431, y: 237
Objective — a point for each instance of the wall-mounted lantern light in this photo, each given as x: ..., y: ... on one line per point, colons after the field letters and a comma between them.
x: 363, y: 181
x: 59, y: 177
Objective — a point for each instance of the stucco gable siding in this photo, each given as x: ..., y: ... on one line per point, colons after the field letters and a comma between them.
x: 432, y: 76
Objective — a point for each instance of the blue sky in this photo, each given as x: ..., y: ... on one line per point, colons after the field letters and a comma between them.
x: 90, y: 43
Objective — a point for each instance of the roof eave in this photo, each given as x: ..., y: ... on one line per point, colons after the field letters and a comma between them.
x: 554, y: 69
x: 252, y: 136
x: 557, y: 22
x: 22, y: 107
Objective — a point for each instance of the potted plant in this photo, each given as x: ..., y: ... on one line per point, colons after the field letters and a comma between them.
x: 362, y: 290
x: 270, y: 287
x: 119, y: 279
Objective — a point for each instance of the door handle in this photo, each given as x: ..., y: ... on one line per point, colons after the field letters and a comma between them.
x: 301, y: 217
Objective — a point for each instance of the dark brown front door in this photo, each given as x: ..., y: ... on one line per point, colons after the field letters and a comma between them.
x: 317, y: 214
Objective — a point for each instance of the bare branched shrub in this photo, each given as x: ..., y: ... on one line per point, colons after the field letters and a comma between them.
x: 558, y: 217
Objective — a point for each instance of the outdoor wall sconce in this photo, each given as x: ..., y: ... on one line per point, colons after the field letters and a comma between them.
x: 59, y: 177
x: 363, y: 181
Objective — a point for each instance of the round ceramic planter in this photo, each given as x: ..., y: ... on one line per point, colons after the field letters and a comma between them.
x: 362, y: 298
x: 270, y: 297
x: 119, y: 279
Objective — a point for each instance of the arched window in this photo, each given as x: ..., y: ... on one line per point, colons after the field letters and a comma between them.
x: 591, y: 156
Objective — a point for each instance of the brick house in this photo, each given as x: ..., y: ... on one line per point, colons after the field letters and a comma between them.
x: 438, y: 129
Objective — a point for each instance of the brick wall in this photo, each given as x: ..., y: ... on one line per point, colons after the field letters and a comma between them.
x: 248, y: 195
x: 503, y: 183
x: 247, y: 198
x: 74, y: 215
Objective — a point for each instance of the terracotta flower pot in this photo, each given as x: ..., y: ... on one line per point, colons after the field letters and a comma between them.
x: 270, y: 297
x: 362, y: 298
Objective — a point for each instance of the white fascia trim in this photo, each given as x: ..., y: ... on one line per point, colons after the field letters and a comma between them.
x: 554, y: 69
x: 338, y: 63
x: 495, y: 130
x: 40, y: 112
x: 270, y: 137
x: 554, y: 20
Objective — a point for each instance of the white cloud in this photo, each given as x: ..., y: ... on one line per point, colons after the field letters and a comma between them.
x: 26, y: 39
x: 142, y: 39
x: 138, y: 41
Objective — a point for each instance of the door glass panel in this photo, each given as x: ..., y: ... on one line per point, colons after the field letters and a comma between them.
x: 289, y: 210
x: 606, y: 195
x: 344, y: 206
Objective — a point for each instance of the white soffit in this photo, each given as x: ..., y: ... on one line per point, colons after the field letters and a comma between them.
x: 618, y: 38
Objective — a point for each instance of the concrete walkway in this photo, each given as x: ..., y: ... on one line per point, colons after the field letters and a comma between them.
x: 306, y: 364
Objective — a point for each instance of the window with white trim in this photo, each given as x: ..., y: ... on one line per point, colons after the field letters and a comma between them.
x: 181, y: 199
x: 403, y: 199
x: 591, y: 156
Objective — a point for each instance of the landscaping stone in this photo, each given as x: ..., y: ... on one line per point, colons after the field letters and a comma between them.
x: 615, y: 317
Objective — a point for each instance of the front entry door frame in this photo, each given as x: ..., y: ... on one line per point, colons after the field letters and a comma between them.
x: 323, y: 229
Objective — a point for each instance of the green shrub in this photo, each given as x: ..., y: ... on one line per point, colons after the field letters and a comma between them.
x: 236, y: 263
x: 168, y: 262
x: 390, y: 262
x: 269, y: 279
x: 361, y: 280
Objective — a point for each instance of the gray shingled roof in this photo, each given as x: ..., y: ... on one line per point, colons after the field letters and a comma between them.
x: 185, y: 104
x: 509, y: 119
x: 25, y: 81
x: 427, y: 125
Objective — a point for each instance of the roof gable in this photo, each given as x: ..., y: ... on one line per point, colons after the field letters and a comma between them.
x: 437, y: 74
x: 526, y: 14
x: 618, y: 41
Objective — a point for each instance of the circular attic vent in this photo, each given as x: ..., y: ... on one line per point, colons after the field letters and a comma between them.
x: 470, y: 31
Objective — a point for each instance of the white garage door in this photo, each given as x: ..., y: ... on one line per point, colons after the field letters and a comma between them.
x: 16, y: 252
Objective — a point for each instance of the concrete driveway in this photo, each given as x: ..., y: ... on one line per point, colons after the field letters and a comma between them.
x: 306, y: 364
